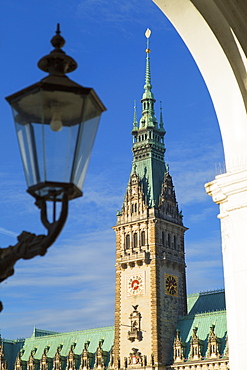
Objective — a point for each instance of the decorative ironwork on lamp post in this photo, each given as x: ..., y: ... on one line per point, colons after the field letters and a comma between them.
x: 56, y: 122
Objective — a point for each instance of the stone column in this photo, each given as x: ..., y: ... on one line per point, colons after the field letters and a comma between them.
x: 230, y: 192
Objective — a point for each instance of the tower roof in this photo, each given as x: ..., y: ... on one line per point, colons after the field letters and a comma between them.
x: 148, y: 141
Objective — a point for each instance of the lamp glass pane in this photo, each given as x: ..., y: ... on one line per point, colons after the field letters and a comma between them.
x: 90, y: 121
x: 27, y: 144
x: 56, y: 132
x: 83, y: 152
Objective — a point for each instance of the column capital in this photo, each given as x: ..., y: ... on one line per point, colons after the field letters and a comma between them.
x: 229, y: 188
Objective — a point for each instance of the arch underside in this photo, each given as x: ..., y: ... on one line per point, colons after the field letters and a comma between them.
x: 215, y: 33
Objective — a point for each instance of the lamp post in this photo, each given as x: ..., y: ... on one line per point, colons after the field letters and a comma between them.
x: 56, y: 121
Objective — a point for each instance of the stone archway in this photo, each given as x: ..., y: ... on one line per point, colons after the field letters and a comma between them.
x: 215, y: 33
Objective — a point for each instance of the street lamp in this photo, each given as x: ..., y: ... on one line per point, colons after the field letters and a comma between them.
x: 56, y: 121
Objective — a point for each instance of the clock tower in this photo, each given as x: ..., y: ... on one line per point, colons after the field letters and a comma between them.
x: 150, y: 264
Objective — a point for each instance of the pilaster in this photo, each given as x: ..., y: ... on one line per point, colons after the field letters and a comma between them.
x: 230, y: 192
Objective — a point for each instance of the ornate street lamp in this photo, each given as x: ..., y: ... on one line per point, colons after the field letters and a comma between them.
x: 56, y: 121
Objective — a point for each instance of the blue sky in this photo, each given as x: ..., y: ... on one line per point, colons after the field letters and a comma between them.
x: 72, y: 287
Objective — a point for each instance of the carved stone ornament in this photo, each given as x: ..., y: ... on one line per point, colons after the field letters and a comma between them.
x: 3, y: 365
x: 18, y: 361
x: 213, y: 344
x: 57, y: 363
x: 195, y: 346
x: 99, y: 357
x: 178, y: 348
x: 86, y: 357
x: 135, y: 325
x: 135, y: 358
x: 71, y: 359
x: 111, y: 362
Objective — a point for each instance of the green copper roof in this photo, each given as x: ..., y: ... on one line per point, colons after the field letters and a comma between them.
x: 204, y: 310
x: 203, y: 322
x: 78, y: 338
x: 42, y: 333
x: 206, y: 302
x: 213, y: 302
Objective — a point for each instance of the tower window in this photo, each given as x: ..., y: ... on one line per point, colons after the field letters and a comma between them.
x: 134, y: 208
x: 127, y: 242
x: 169, y: 240
x: 143, y: 238
x: 163, y: 238
x: 175, y: 242
x: 135, y: 240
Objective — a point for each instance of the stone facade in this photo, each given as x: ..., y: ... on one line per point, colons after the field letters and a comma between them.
x: 150, y: 265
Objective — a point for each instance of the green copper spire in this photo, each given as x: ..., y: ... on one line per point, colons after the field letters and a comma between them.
x: 148, y: 115
x: 161, y: 118
x: 148, y: 85
x: 135, y: 123
x: 150, y: 191
x: 148, y: 142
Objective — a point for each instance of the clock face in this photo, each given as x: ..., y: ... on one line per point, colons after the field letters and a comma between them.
x: 135, y: 284
x: 171, y: 285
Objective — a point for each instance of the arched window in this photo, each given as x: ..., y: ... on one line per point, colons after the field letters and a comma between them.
x: 134, y: 208
x: 143, y: 242
x: 135, y: 240
x: 127, y: 242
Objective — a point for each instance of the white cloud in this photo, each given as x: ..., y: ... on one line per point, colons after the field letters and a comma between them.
x: 115, y: 12
x: 204, y: 264
x: 8, y: 232
x: 76, y: 281
x: 192, y: 168
x: 201, y: 216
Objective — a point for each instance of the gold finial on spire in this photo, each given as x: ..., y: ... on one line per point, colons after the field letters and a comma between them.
x: 148, y: 34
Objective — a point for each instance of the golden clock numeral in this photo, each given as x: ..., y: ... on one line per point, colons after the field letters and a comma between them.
x: 171, y: 285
